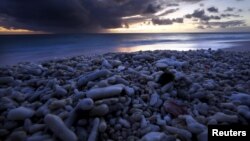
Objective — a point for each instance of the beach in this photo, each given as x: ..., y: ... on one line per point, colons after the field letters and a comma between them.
x: 121, y: 96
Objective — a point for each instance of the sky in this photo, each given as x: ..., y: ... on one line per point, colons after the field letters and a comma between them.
x: 123, y: 16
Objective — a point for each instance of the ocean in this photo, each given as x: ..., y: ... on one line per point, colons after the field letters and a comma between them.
x: 22, y: 48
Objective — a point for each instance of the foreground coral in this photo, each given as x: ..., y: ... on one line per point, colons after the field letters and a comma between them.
x: 159, y: 95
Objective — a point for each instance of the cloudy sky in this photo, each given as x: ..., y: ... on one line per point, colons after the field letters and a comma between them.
x: 71, y: 16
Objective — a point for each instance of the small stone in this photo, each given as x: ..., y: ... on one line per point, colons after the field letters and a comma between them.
x: 60, y: 91
x: 85, y: 104
x: 102, y: 126
x: 99, y: 110
x: 156, y: 136
x: 154, y: 99
x: 244, y: 110
x: 17, y: 136
x: 57, y: 126
x: 121, y: 68
x: 20, y: 113
x: 221, y: 117
x: 124, y: 122
x: 6, y: 80
x: 57, y: 104
x: 106, y: 92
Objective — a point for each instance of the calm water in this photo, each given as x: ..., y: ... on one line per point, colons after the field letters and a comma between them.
x: 18, y: 48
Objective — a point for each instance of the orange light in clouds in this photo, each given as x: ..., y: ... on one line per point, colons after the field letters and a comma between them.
x: 15, y: 31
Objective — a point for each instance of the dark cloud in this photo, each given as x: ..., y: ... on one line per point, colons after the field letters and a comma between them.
x: 229, y: 15
x: 169, y: 11
x: 213, y: 10
x: 76, y: 15
x: 94, y: 15
x: 151, y: 9
x: 229, y: 9
x: 70, y: 15
x: 232, y: 23
x: 172, y: 4
x: 200, y: 14
x: 158, y: 21
x: 240, y: 10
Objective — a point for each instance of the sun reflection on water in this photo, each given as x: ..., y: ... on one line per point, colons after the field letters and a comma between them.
x: 152, y: 47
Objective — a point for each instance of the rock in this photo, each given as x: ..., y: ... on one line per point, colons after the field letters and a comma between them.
x: 84, y: 79
x: 194, y: 126
x: 154, y: 99
x: 144, y: 122
x: 3, y: 132
x: 156, y: 136
x: 36, y: 127
x: 57, y: 126
x: 221, y: 117
x: 167, y: 87
x: 174, y: 108
x: 37, y: 137
x: 182, y: 133
x: 103, y: 126
x: 202, y: 108
x: 106, y: 64
x: 85, y: 104
x: 228, y: 105
x: 124, y: 123
x: 121, y: 68
x: 209, y: 84
x: 165, y: 63
x: 129, y: 91
x: 244, y: 111
x: 6, y: 80
x: 94, y: 131
x: 57, y: 104
x: 243, y: 98
x: 60, y: 91
x: 106, y: 92
x: 143, y: 56
x: 203, y: 136
x: 165, y: 78
x: 17, y: 136
x: 99, y: 110
x: 20, y: 113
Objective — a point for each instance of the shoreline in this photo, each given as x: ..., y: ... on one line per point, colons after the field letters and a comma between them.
x: 126, y: 96
x: 243, y: 47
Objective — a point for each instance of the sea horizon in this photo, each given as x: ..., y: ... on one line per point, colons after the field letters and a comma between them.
x: 39, y: 47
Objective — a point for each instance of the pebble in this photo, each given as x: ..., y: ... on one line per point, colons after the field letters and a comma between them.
x: 125, y: 96
x: 6, y: 80
x: 100, y: 110
x: 154, y: 99
x: 244, y: 110
x: 85, y: 104
x: 20, y: 113
x: 124, y: 123
x: 221, y: 117
x: 185, y: 134
x: 57, y: 126
x: 106, y: 92
x: 194, y: 126
x: 241, y: 97
x: 60, y: 91
x: 17, y: 136
x: 156, y: 136
x: 94, y: 131
x: 84, y: 79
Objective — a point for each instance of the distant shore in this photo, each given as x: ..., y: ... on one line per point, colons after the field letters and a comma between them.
x: 125, y: 96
